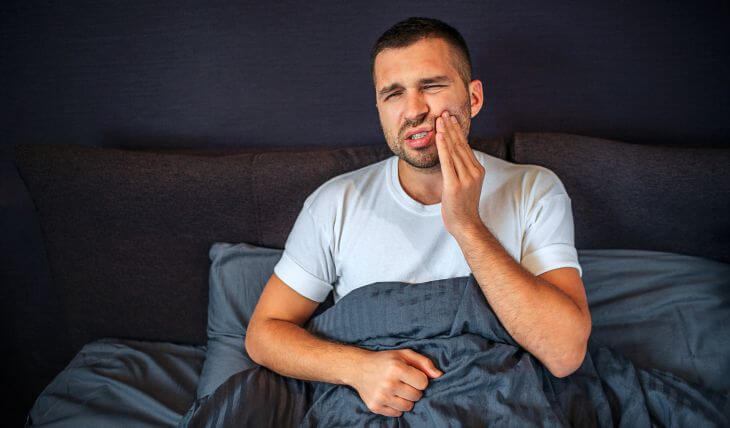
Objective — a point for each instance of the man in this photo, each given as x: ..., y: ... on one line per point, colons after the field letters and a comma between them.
x: 436, y: 210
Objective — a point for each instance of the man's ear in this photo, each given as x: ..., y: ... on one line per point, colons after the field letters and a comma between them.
x: 476, y: 97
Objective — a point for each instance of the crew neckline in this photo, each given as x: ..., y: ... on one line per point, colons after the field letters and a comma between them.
x: 405, y: 200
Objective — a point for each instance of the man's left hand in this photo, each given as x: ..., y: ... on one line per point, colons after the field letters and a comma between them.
x: 463, y: 176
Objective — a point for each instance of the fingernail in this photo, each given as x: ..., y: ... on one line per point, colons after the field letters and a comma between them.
x: 453, y: 119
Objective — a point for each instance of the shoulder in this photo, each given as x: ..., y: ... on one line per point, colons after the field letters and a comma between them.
x: 347, y: 186
x: 533, y: 182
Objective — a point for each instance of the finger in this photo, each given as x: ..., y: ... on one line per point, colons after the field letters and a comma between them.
x: 466, y: 154
x: 447, y: 167
x: 461, y: 143
x: 408, y: 392
x: 388, y: 411
x: 452, y: 129
x: 422, y: 363
x: 452, y: 139
x: 399, y: 404
x: 472, y: 157
x: 414, y: 377
x: 449, y: 145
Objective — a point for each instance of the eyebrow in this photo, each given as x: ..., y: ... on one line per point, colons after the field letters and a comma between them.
x: 424, y: 81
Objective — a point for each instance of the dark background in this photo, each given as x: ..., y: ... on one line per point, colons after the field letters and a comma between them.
x: 225, y: 73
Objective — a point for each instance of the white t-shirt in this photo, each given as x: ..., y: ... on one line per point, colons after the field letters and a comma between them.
x: 362, y: 227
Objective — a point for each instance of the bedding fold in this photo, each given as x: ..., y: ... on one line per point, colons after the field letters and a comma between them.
x: 488, y: 379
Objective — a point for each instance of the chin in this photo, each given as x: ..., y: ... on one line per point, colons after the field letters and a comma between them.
x: 421, y: 163
x: 423, y: 158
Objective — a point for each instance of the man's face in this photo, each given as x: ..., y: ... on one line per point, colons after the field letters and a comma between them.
x: 413, y: 86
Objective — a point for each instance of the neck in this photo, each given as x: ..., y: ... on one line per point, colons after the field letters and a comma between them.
x: 422, y: 184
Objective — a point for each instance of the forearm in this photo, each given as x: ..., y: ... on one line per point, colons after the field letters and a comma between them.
x: 292, y: 351
x: 539, y: 316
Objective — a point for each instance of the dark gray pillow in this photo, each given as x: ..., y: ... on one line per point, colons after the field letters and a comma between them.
x: 637, y: 196
x: 662, y: 310
x: 238, y: 274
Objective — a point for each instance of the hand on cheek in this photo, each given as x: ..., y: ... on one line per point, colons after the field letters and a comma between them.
x: 463, y: 176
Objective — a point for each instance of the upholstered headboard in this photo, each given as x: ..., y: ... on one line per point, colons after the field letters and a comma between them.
x: 127, y: 233
x: 636, y: 196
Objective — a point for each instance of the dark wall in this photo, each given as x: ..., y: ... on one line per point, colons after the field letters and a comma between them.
x: 288, y: 73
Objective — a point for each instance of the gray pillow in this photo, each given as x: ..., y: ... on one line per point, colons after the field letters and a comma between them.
x: 662, y: 310
x: 238, y: 274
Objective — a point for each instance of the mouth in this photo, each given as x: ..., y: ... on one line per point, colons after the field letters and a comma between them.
x: 419, y: 138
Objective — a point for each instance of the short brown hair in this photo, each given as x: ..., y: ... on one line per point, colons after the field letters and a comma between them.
x: 411, y: 30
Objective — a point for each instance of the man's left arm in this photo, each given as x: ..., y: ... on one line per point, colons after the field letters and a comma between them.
x: 547, y: 314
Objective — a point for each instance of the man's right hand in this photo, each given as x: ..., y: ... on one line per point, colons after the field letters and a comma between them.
x: 390, y: 382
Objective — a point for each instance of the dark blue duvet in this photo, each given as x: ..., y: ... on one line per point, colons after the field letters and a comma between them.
x: 488, y: 379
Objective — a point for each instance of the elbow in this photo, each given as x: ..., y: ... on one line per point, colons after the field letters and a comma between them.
x: 250, y: 344
x: 571, y: 360
x: 567, y: 365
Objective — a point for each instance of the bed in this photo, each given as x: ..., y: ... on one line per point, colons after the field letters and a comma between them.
x: 153, y: 259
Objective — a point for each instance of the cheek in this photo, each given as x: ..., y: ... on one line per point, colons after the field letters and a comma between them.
x: 459, y: 107
x: 446, y: 102
x: 390, y: 119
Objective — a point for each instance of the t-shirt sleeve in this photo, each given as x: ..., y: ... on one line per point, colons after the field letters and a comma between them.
x: 307, y: 265
x: 548, y: 242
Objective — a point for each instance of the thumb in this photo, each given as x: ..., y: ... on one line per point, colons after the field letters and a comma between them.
x: 422, y: 363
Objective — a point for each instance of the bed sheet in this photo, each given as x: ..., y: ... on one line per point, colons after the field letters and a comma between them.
x: 488, y: 379
x: 123, y: 383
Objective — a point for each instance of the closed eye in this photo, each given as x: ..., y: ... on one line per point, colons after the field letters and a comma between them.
x: 425, y: 87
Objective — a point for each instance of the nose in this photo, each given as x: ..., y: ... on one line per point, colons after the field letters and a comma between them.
x: 416, y: 107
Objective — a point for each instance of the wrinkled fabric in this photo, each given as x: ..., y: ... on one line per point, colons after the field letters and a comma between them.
x: 488, y: 379
x: 127, y: 383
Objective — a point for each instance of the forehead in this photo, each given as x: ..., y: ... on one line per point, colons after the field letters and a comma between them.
x: 425, y: 58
